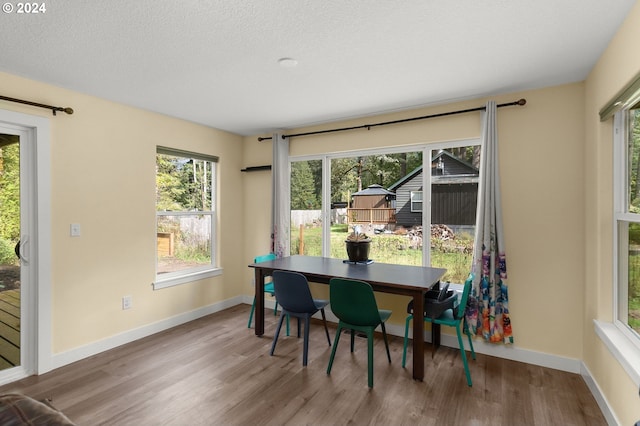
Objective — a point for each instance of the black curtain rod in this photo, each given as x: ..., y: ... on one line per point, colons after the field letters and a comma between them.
x: 255, y: 168
x: 52, y: 108
x: 369, y: 126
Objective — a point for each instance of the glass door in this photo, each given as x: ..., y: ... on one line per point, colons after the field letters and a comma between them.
x: 10, y: 249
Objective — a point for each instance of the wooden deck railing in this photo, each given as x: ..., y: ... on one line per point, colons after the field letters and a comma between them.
x: 371, y: 215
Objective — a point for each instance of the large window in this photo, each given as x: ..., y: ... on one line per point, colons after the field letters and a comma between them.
x: 382, y: 193
x: 185, y: 217
x: 306, y: 207
x: 627, y: 217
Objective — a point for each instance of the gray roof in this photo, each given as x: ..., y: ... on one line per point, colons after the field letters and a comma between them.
x: 374, y: 189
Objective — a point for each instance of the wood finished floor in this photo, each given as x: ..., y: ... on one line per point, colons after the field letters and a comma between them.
x: 215, y: 371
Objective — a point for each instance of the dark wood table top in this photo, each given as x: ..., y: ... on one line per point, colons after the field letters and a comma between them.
x: 386, y: 277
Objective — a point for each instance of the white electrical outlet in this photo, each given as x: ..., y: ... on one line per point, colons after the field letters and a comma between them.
x: 75, y: 230
x: 127, y: 303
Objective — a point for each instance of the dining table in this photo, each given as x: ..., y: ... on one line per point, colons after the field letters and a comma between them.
x: 407, y: 280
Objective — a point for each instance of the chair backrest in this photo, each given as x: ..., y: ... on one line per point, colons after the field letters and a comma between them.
x: 264, y: 258
x: 292, y: 292
x: 353, y: 302
x: 465, y: 297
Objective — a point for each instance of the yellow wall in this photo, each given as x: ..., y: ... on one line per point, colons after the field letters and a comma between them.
x: 555, y: 164
x: 103, y: 177
x: 615, y: 69
x: 543, y: 199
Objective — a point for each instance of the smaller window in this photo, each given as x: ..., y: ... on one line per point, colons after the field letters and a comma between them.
x: 628, y: 221
x: 416, y: 201
x: 185, y: 217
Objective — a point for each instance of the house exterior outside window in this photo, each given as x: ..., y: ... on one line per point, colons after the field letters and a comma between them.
x: 385, y: 194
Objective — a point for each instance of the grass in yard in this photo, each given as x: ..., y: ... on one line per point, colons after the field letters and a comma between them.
x: 390, y: 248
x: 634, y: 291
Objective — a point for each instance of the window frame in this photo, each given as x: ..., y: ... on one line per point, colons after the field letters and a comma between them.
x: 415, y: 209
x: 617, y: 336
x: 428, y: 150
x: 200, y: 272
x: 621, y: 219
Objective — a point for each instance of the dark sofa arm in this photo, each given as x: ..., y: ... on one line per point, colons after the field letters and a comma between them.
x: 20, y: 410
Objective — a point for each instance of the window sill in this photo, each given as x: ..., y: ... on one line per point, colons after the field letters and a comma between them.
x: 623, y: 349
x: 186, y: 278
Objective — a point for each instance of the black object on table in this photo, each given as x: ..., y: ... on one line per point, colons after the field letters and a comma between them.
x: 436, y: 301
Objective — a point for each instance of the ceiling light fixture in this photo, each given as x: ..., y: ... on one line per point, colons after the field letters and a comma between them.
x: 287, y: 62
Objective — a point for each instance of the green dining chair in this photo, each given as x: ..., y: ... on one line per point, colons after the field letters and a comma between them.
x: 354, y: 303
x: 268, y: 288
x: 452, y: 318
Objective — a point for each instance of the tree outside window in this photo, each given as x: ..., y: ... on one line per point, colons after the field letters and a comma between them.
x: 628, y: 220
x: 185, y: 213
x: 382, y: 194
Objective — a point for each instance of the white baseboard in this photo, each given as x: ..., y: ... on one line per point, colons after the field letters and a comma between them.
x: 608, y: 414
x: 129, y: 336
x: 511, y: 352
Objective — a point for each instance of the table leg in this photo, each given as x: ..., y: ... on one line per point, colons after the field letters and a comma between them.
x: 418, y: 337
x: 435, y: 335
x: 259, y: 311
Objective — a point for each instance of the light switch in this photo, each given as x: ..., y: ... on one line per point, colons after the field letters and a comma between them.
x: 75, y: 229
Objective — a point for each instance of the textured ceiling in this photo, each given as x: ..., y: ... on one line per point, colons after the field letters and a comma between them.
x: 215, y: 62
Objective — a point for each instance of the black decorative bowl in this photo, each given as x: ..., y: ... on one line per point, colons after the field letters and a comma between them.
x: 358, y: 251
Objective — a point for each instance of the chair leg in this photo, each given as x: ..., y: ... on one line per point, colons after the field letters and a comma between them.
x: 288, y: 325
x: 305, y: 348
x: 253, y: 307
x: 353, y: 338
x: 464, y: 356
x: 473, y: 353
x: 406, y: 340
x: 370, y: 357
x: 386, y: 342
x: 326, y: 329
x: 333, y: 350
x: 275, y: 312
x: 275, y: 337
x: 465, y: 330
x: 298, y: 327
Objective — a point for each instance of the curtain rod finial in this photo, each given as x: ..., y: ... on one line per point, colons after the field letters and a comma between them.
x: 522, y: 101
x: 68, y: 110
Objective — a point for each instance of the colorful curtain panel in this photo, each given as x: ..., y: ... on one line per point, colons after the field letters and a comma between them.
x: 488, y: 308
x: 280, y: 222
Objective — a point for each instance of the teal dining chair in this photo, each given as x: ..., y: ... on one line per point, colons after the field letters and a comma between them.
x: 268, y: 288
x: 451, y: 318
x: 354, y: 303
x: 292, y: 290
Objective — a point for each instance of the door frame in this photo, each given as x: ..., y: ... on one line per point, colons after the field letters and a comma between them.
x: 36, y: 330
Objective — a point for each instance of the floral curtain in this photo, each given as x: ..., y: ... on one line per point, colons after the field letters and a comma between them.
x: 280, y: 178
x: 487, y: 312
